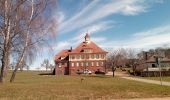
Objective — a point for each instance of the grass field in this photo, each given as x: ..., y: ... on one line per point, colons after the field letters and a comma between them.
x: 31, y: 86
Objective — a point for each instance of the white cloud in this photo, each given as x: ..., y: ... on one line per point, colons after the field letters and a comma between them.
x: 98, y: 39
x: 97, y: 10
x: 151, y: 38
x: 60, y: 17
x: 104, y: 25
x: 154, y: 31
x: 80, y: 37
x: 61, y: 45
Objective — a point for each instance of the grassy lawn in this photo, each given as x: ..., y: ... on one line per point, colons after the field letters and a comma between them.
x: 31, y: 86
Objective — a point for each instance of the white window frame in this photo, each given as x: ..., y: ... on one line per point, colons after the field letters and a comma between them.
x: 102, y: 63
x: 82, y: 64
x: 97, y: 63
x: 77, y: 64
x: 72, y: 64
x: 59, y: 65
x: 87, y: 64
x: 92, y: 63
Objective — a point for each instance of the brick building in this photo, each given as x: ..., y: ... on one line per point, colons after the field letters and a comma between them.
x: 86, y: 56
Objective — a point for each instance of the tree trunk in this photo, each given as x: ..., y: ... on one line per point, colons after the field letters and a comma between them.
x: 24, y: 50
x: 13, y: 75
x: 5, y: 62
x: 134, y: 70
x: 17, y: 66
x: 113, y: 70
x: 6, y: 45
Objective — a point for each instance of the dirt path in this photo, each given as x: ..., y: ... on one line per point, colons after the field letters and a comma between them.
x: 148, y: 81
x: 119, y: 74
x: 124, y: 75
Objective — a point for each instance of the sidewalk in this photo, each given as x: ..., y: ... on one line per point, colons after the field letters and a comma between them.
x: 147, y: 81
x: 124, y: 75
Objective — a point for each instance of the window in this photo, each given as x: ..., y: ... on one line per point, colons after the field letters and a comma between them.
x: 77, y: 64
x: 154, y: 66
x: 59, y: 65
x: 97, y: 63
x: 102, y: 63
x: 78, y: 57
x: 88, y: 50
x: 87, y: 56
x: 97, y: 56
x: 72, y: 64
x: 102, y: 56
x: 92, y: 56
x: 87, y: 64
x: 82, y: 64
x: 82, y: 56
x: 92, y: 63
x: 73, y: 57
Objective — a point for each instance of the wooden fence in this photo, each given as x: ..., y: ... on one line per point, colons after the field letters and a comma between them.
x: 154, y: 73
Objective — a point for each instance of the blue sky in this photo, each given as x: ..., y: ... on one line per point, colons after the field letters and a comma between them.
x: 138, y: 24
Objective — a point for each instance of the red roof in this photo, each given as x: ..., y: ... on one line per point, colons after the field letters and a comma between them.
x: 90, y: 45
x: 63, y: 53
x: 80, y: 48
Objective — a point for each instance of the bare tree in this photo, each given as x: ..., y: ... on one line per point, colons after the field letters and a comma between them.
x: 45, y: 64
x: 132, y: 59
x: 116, y: 57
x: 24, y: 25
x: 51, y: 67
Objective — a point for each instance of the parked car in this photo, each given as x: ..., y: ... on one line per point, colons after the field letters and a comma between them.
x: 86, y: 71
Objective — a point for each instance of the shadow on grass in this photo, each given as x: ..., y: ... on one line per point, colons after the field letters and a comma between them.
x: 45, y: 74
x: 48, y: 73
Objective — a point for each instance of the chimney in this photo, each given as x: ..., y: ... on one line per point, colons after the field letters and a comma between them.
x: 71, y: 49
x: 145, y: 55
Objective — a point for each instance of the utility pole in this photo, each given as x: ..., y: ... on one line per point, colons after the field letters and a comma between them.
x: 158, y: 62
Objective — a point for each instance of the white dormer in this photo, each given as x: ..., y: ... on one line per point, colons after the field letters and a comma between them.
x: 62, y: 57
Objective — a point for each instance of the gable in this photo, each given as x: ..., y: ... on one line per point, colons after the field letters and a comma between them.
x: 92, y: 47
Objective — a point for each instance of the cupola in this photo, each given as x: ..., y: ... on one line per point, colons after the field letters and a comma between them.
x: 87, y: 38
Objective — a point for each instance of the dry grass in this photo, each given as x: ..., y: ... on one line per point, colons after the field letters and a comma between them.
x: 31, y: 86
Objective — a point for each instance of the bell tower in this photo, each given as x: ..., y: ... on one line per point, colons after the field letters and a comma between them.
x: 87, y: 38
